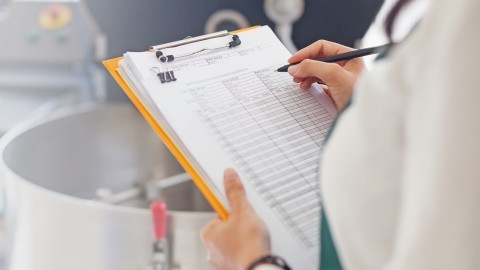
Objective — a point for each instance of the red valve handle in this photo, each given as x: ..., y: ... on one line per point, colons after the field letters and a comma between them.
x: 158, y: 210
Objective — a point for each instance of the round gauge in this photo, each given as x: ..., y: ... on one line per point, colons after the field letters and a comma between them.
x: 55, y: 16
x: 284, y: 11
x: 226, y: 19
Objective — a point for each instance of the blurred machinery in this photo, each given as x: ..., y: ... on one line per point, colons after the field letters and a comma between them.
x: 48, y: 57
x: 284, y: 13
x: 79, y: 199
x: 131, y: 25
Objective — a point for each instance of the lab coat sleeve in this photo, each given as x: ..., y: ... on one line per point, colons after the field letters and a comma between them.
x: 267, y: 267
x: 439, y: 218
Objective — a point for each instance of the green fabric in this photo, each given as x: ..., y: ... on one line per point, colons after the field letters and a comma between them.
x: 328, y: 254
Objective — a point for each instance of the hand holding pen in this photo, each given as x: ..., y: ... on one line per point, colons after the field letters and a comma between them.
x: 339, y: 73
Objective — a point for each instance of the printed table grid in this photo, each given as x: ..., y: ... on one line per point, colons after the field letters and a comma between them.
x: 273, y: 131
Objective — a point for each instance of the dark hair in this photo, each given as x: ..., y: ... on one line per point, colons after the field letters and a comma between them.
x: 392, y: 16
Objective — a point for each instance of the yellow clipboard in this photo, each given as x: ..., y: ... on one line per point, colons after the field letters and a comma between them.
x: 112, y: 66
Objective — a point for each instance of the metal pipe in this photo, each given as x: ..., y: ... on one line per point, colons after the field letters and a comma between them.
x: 107, y: 196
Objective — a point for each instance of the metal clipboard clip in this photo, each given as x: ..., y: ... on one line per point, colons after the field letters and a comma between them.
x: 168, y: 52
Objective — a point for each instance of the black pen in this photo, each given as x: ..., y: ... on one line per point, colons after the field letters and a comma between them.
x: 344, y: 56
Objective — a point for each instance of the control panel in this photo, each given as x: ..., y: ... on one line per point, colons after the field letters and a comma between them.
x: 55, y: 32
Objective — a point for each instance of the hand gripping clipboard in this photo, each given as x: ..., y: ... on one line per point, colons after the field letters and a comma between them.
x: 112, y: 67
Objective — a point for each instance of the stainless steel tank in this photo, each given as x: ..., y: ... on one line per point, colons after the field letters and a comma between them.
x: 55, y: 168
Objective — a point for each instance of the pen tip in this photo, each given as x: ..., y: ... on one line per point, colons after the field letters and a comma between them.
x: 276, y: 70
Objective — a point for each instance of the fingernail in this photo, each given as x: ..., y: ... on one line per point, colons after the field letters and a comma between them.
x: 230, y: 174
x: 292, y: 70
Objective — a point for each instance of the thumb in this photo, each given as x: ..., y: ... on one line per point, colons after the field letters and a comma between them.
x: 234, y: 190
x: 330, y: 73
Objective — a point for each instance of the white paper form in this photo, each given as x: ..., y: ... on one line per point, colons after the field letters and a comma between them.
x: 236, y: 112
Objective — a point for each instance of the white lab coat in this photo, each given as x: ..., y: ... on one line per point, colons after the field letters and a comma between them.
x: 400, y: 176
